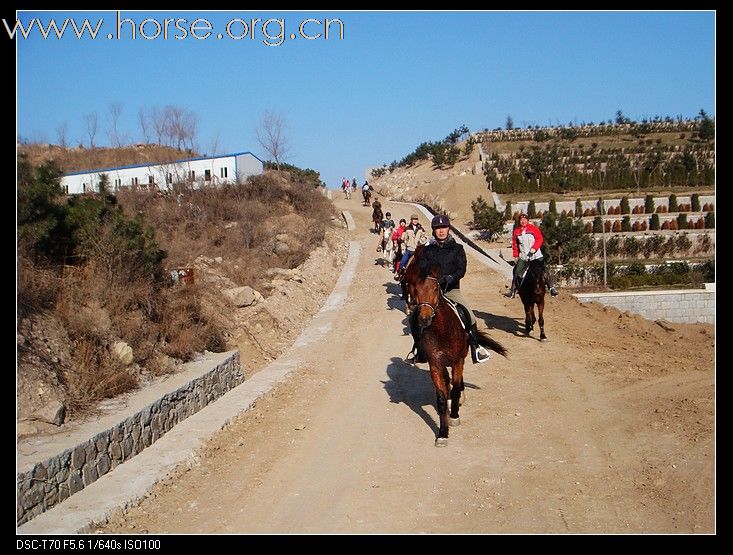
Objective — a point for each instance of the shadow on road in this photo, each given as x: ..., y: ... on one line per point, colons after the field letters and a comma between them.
x: 412, y: 386
x: 515, y: 326
x: 395, y: 302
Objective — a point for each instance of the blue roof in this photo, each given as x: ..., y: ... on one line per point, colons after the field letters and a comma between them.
x: 160, y: 163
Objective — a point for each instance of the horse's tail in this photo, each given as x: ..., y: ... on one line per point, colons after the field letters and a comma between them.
x: 489, y: 343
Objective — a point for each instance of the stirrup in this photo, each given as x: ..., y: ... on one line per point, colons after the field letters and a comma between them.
x: 553, y: 292
x: 480, y: 354
x: 510, y: 294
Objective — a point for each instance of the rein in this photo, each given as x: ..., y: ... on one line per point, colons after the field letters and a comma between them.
x: 432, y: 308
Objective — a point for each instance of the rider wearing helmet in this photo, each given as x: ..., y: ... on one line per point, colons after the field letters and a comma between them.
x: 526, y: 242
x: 387, y: 223
x: 443, y: 251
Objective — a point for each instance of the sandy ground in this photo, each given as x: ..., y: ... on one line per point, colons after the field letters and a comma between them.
x: 606, y: 428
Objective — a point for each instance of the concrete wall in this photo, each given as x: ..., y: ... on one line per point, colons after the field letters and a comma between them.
x: 681, y: 305
x: 53, y: 479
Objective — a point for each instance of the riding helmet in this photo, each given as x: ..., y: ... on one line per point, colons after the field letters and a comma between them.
x: 441, y: 220
x: 388, y: 214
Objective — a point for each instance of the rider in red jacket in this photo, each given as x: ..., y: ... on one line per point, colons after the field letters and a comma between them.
x: 526, y: 242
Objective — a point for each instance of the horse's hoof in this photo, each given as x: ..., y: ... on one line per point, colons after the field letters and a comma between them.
x: 454, y: 421
x: 441, y: 442
x: 543, y: 339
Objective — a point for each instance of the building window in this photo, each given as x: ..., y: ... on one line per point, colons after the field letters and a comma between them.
x: 66, y: 189
x: 151, y: 181
x: 224, y: 172
x: 207, y: 175
x: 83, y: 187
x: 134, y: 181
x: 192, y: 175
x: 169, y: 179
x: 118, y: 184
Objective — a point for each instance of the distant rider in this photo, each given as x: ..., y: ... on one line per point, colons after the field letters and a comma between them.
x: 527, y: 241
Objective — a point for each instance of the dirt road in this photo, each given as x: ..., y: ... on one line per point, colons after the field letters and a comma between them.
x: 605, y: 428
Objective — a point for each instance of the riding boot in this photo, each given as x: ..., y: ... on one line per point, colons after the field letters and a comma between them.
x: 415, y: 355
x: 479, y: 353
x: 511, y: 291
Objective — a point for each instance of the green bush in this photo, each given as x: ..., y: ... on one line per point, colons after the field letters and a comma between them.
x: 626, y: 223
x: 710, y: 220
x: 579, y: 210
x: 654, y: 222
x: 649, y: 204
x: 597, y: 225
x: 487, y: 217
x: 695, y: 201
x: 635, y: 269
x: 631, y: 247
x: 625, y: 208
x: 508, y: 214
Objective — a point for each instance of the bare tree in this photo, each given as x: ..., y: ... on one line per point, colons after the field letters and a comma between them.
x: 214, y: 145
x: 158, y: 117
x: 175, y: 127
x: 115, y: 110
x: 271, y: 136
x: 142, y: 119
x: 61, y: 132
x: 92, y: 121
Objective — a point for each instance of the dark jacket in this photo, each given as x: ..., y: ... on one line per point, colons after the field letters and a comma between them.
x: 451, y: 258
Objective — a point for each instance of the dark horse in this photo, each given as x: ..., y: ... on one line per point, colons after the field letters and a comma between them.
x: 532, y: 292
x: 367, y: 194
x: 377, y: 215
x: 444, y: 342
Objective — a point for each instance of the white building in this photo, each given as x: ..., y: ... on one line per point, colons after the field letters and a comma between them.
x: 209, y: 170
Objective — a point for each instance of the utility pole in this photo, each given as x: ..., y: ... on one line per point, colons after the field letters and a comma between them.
x: 603, y: 232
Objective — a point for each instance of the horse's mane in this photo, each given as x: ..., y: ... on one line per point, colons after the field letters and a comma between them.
x: 425, y: 271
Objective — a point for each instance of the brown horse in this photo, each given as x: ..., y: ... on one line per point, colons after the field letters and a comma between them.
x: 377, y: 216
x: 532, y: 292
x: 444, y: 342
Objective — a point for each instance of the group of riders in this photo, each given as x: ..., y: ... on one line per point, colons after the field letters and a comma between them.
x: 443, y: 251
x: 349, y: 187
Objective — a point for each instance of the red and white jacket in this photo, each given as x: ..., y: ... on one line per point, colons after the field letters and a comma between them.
x: 526, y: 238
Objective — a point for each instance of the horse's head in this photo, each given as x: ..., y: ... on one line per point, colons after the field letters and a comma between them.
x: 427, y: 296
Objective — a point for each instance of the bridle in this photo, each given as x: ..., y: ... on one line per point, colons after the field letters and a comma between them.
x: 433, y: 308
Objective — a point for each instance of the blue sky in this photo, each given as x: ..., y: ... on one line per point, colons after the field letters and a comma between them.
x: 394, y: 80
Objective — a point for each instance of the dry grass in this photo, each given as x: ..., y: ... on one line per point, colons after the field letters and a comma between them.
x: 239, y: 223
x: 79, y: 158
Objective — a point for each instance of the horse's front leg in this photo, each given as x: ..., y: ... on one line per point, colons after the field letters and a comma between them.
x: 456, y: 393
x: 541, y: 319
x: 439, y: 374
x: 528, y: 315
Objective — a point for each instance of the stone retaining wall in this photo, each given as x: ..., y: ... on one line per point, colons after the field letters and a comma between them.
x: 56, y: 478
x: 682, y: 305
